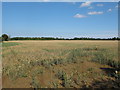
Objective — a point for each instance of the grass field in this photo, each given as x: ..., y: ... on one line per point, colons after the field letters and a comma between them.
x: 60, y: 64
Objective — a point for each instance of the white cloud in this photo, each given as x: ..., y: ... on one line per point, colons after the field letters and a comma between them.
x: 99, y: 5
x: 94, y: 13
x: 90, y: 7
x: 85, y: 4
x: 109, y: 10
x: 79, y: 16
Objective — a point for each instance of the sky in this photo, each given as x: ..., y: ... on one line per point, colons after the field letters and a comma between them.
x: 60, y: 19
x: 0, y: 18
x: 59, y: 0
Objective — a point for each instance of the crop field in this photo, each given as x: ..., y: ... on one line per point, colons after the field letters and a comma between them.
x: 60, y: 64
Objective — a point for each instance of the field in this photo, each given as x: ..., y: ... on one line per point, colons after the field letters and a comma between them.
x: 60, y: 64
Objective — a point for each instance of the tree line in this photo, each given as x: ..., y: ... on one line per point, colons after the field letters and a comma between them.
x: 52, y: 38
x: 5, y: 37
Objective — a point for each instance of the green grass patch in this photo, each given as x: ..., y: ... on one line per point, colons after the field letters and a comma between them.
x: 8, y: 44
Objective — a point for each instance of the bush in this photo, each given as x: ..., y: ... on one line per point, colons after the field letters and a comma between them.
x: 5, y: 37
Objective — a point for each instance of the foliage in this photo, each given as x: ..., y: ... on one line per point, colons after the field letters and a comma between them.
x: 52, y: 38
x: 66, y: 79
x: 5, y: 37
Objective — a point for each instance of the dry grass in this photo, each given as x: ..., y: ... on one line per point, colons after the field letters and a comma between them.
x: 47, y: 64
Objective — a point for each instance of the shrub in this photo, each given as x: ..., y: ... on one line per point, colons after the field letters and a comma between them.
x: 5, y: 37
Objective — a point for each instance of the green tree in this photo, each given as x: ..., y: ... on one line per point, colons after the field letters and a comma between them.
x: 5, y: 37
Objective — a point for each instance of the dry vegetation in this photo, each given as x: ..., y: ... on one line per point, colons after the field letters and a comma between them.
x: 60, y: 64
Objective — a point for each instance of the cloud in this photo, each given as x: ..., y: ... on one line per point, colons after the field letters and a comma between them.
x: 99, y: 5
x: 94, y: 13
x: 79, y: 16
x: 109, y: 10
x: 85, y: 4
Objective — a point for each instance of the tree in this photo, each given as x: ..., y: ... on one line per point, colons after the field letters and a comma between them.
x: 5, y: 37
x: 0, y: 39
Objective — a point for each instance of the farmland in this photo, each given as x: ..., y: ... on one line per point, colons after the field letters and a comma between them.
x: 60, y: 64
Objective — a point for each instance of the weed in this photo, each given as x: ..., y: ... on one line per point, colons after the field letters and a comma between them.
x: 46, y: 63
x: 90, y: 69
x: 55, y: 84
x: 105, y: 58
x: 35, y: 83
x: 38, y: 71
x: 66, y: 79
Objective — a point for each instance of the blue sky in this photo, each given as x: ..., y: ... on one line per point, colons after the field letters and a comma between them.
x: 65, y: 19
x: 0, y: 18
